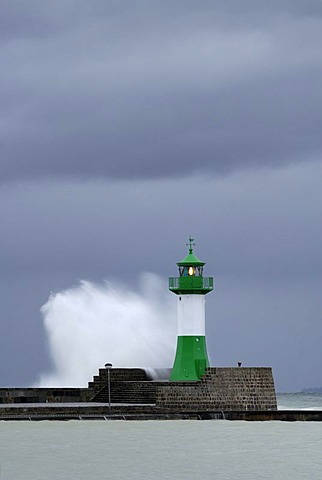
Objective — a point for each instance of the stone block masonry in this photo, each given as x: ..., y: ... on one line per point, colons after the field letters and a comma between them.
x: 221, y: 388
x: 43, y: 395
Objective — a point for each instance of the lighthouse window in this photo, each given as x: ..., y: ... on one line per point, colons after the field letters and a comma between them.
x: 191, y: 271
x: 184, y: 271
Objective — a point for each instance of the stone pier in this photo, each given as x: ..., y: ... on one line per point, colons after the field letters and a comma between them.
x: 220, y: 389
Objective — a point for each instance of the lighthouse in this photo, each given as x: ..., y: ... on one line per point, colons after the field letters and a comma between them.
x: 191, y: 287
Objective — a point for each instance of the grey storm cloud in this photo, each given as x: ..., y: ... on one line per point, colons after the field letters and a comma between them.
x: 126, y: 126
x: 157, y: 89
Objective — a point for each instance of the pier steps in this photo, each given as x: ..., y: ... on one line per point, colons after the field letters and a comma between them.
x: 129, y: 386
x: 127, y: 392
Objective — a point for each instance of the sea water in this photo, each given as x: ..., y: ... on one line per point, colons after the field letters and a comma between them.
x: 182, y: 449
x: 299, y: 401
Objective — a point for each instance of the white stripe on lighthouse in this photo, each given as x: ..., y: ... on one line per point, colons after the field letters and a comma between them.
x: 191, y: 315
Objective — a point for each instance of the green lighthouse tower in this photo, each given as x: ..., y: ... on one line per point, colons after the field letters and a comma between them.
x: 191, y: 287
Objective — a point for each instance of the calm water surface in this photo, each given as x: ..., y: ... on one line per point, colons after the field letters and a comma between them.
x: 78, y: 450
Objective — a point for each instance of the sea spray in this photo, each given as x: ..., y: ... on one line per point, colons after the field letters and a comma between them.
x: 89, y: 325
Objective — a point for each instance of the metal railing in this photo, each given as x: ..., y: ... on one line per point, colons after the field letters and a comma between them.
x: 197, y: 282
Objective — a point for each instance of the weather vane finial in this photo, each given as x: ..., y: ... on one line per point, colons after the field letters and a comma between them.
x: 191, y: 244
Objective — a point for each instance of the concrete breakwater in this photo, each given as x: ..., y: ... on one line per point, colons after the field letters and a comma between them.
x: 90, y: 411
x: 221, y: 388
x: 132, y: 393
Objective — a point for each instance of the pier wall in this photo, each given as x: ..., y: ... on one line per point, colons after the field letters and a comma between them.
x: 43, y: 395
x: 221, y: 388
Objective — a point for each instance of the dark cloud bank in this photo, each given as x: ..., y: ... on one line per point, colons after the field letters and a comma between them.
x: 127, y: 126
x: 154, y: 89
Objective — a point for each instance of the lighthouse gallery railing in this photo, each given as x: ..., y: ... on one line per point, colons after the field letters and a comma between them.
x: 191, y: 282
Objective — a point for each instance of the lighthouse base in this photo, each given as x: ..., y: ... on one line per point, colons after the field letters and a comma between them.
x: 191, y: 359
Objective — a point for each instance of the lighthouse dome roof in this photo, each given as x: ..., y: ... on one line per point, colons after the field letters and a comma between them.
x: 191, y: 259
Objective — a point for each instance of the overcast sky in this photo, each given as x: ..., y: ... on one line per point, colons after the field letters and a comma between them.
x: 127, y: 126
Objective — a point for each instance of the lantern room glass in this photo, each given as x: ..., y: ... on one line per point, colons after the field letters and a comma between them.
x: 190, y: 271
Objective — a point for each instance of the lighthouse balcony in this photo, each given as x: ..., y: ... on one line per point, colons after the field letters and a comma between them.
x: 193, y: 284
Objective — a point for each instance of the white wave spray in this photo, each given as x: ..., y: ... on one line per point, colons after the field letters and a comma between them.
x: 90, y: 325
